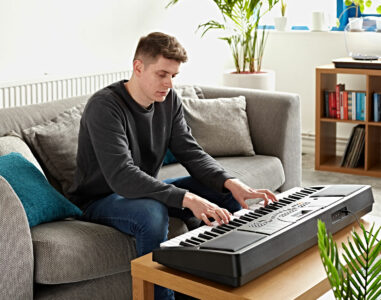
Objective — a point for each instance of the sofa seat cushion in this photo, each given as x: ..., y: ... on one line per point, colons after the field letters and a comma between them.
x: 258, y: 171
x: 71, y: 251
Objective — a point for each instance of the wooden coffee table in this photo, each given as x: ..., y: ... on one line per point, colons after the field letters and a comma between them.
x: 302, y: 277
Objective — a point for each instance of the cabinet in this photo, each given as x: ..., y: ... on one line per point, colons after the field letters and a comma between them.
x: 326, y: 154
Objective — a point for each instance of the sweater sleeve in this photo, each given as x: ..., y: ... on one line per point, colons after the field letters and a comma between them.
x: 189, y: 153
x: 106, y: 127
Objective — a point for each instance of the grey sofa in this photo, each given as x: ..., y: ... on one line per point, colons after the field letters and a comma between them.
x: 72, y: 259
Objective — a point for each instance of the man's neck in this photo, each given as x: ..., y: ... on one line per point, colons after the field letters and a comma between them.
x: 136, y: 94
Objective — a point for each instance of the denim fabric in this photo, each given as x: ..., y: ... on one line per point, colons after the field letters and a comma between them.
x: 147, y: 219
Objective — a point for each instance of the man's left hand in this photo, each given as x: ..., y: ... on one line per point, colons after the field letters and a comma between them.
x: 241, y: 192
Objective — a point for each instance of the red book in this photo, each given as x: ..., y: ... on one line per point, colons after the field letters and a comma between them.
x: 339, y: 87
x: 345, y: 105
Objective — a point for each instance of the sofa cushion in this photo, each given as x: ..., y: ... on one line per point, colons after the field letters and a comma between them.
x: 42, y: 203
x: 14, y: 143
x: 220, y: 126
x: 56, y: 143
x: 258, y: 171
x: 188, y: 91
x: 71, y: 250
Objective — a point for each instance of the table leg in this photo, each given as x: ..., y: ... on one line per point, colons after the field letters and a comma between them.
x: 142, y: 290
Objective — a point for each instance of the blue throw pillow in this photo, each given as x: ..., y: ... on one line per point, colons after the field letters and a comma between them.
x: 42, y: 203
x: 169, y: 158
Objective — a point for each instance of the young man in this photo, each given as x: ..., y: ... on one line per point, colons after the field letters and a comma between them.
x: 125, y: 131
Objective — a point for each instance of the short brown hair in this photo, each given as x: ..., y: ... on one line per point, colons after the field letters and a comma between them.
x: 158, y: 43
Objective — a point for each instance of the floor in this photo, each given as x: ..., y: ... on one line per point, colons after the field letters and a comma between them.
x: 312, y: 177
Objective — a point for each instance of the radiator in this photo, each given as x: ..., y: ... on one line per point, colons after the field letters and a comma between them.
x: 13, y: 95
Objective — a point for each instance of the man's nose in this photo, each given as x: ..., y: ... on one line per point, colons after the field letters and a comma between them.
x: 168, y: 83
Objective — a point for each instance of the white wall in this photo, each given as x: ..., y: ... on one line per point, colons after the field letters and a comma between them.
x: 42, y: 38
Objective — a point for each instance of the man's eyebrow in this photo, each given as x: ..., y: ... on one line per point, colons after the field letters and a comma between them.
x: 168, y: 72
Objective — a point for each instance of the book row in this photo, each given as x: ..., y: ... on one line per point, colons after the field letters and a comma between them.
x: 350, y: 105
x: 344, y: 105
x: 354, y: 150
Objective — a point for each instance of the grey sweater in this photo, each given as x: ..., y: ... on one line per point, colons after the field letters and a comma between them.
x: 121, y: 148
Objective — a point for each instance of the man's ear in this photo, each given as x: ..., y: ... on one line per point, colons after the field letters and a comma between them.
x: 138, y: 66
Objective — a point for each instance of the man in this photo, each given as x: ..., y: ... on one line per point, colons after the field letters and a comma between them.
x: 125, y: 131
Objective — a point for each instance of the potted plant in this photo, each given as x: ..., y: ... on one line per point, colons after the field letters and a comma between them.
x: 281, y: 22
x: 240, y: 22
x: 359, y: 277
x: 359, y: 5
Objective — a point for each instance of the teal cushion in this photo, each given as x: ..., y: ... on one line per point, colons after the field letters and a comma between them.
x: 42, y: 203
x: 169, y: 158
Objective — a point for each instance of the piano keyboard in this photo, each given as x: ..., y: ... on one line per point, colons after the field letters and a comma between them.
x: 257, y: 240
x: 265, y: 220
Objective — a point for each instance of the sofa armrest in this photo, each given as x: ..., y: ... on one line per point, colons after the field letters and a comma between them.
x: 16, y: 250
x: 275, y: 126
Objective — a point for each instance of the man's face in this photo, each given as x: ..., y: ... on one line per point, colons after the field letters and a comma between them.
x: 155, y: 78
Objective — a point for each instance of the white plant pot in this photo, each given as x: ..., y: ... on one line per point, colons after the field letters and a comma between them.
x: 265, y: 80
x: 355, y: 24
x: 378, y: 24
x: 280, y: 23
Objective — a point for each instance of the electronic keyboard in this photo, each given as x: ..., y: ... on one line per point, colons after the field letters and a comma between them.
x: 256, y: 241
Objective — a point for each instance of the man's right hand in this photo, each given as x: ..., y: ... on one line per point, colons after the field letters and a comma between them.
x: 204, y: 209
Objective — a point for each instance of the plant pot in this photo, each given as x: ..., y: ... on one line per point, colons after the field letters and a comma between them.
x: 280, y: 23
x: 355, y: 24
x: 264, y: 80
x: 378, y: 24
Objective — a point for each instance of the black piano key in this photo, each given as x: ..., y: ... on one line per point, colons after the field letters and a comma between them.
x: 308, y: 191
x: 189, y: 241
x: 185, y: 244
x: 259, y: 212
x: 254, y: 214
x: 289, y: 199
x: 285, y: 201
x: 221, y: 227
x: 217, y: 230
x: 240, y: 221
x: 247, y: 218
x: 228, y: 226
x: 211, y: 234
x: 301, y: 194
x: 264, y: 210
x: 235, y: 223
x: 193, y: 238
x: 269, y: 210
x: 295, y: 197
x: 204, y: 236
x: 272, y: 207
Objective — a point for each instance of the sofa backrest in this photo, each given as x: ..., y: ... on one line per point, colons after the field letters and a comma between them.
x: 19, y: 118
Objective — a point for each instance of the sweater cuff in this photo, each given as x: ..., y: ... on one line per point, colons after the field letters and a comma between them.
x: 176, y: 197
x: 221, y: 181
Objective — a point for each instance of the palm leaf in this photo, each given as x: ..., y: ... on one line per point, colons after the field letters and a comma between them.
x: 360, y: 278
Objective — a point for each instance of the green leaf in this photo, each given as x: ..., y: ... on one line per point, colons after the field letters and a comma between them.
x: 368, y: 3
x: 378, y: 9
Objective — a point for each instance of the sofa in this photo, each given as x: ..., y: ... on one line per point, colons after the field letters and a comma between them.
x: 73, y: 259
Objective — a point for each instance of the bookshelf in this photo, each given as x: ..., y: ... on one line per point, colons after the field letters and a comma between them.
x: 326, y: 157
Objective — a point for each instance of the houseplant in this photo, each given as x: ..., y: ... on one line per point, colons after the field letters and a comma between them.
x: 240, y: 22
x: 360, y: 278
x: 358, y: 5
x: 281, y: 22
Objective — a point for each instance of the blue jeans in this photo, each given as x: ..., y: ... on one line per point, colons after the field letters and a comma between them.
x: 147, y: 219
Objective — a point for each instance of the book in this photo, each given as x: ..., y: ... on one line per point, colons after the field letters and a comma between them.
x: 326, y: 104
x: 339, y: 87
x: 353, y: 105
x: 377, y: 107
x: 349, y: 105
x: 344, y: 115
x: 348, y: 147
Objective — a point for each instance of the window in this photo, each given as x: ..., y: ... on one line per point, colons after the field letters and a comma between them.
x: 298, y: 12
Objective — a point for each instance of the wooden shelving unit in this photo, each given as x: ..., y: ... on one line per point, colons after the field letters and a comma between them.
x: 326, y: 157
